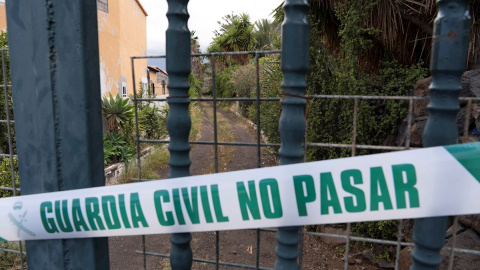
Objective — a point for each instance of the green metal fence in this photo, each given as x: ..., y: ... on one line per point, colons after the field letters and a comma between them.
x: 43, y: 77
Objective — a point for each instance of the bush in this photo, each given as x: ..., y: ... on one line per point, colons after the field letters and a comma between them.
x: 224, y: 83
x: 152, y: 122
x: 270, y: 81
x: 4, y: 147
x: 117, y: 111
x: 330, y: 120
x: 6, y: 176
x: 384, y: 229
x: 116, y: 148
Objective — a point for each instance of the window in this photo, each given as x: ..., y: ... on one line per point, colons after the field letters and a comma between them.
x: 124, y: 90
x: 102, y: 5
x: 163, y: 87
x: 153, y: 88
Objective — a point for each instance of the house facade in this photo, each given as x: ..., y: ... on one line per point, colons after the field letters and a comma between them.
x: 3, y: 16
x: 158, y: 80
x: 122, y: 33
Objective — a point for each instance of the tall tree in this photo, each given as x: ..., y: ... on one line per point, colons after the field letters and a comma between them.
x: 235, y: 34
x: 266, y: 35
x: 197, y: 67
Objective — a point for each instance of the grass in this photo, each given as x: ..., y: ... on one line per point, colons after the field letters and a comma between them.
x: 158, y: 158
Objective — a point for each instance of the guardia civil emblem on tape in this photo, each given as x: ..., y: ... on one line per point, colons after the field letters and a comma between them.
x: 437, y: 181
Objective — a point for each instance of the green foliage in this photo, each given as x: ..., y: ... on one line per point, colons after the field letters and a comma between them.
x: 10, y: 260
x: 270, y: 81
x: 385, y: 229
x: 195, y: 86
x: 330, y: 120
x: 116, y: 148
x: 236, y: 34
x: 6, y: 176
x: 224, y: 83
x: 4, y: 148
x: 244, y: 80
x: 117, y: 111
x: 152, y: 122
x: 266, y: 35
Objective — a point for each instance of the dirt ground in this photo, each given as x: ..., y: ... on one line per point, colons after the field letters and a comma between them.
x: 239, y: 247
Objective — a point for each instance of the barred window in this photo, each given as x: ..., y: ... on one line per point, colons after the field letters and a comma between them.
x: 102, y: 5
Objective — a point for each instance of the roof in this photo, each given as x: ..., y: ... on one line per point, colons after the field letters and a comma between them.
x: 157, y: 69
x: 141, y: 7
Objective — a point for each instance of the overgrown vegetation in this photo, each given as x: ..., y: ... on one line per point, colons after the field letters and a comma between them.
x: 5, y: 165
x: 159, y: 155
x: 10, y: 260
x: 5, y: 66
x: 6, y: 176
x: 118, y: 143
x: 330, y: 120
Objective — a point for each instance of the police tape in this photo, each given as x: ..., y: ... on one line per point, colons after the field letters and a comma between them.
x: 438, y: 181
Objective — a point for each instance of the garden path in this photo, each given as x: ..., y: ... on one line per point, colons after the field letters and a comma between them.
x: 235, y: 246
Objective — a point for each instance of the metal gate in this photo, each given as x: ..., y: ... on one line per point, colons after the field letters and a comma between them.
x: 44, y: 67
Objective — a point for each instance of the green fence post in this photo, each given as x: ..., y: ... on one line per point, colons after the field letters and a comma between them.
x: 295, y: 51
x: 449, y: 55
x: 178, y: 120
x: 56, y: 93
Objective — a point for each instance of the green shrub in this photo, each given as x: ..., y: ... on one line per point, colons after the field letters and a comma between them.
x: 4, y: 147
x: 245, y: 85
x: 152, y: 122
x: 384, y: 229
x: 116, y: 148
x: 347, y: 73
x: 117, y: 111
x: 6, y: 176
x: 224, y: 83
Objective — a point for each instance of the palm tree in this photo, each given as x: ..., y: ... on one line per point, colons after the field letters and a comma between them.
x: 265, y: 35
x: 236, y: 34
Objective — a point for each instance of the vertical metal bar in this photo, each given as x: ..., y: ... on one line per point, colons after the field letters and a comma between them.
x: 137, y: 144
x: 300, y: 248
x: 54, y: 66
x: 178, y: 119
x: 399, y: 244
x: 215, y: 138
x: 347, y: 245
x: 409, y: 122
x: 295, y: 51
x: 354, y: 143
x: 257, y: 259
x: 257, y: 256
x: 215, y: 131
x: 10, y: 143
x: 449, y: 54
x: 454, y: 243
x: 354, y: 131
x: 137, y: 131
x: 258, y: 110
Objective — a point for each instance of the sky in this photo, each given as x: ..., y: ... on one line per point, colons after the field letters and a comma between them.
x: 204, y: 15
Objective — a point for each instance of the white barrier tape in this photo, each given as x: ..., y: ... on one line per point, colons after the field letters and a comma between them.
x: 438, y: 181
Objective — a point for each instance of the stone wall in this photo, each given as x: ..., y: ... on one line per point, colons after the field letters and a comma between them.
x: 470, y: 88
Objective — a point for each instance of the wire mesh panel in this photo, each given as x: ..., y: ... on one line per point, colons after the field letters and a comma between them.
x: 349, y: 241
x: 11, y: 253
